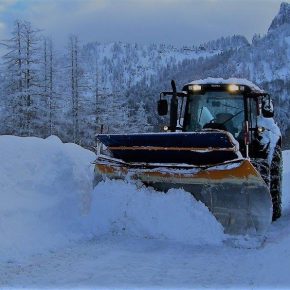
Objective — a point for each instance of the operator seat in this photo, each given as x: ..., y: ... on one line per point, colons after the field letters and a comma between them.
x: 222, y: 121
x: 226, y: 120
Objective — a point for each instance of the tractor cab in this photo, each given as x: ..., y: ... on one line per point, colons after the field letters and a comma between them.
x: 216, y: 104
x: 215, y: 110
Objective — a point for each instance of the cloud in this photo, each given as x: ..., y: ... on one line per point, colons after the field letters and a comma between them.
x: 65, y: 8
x: 4, y: 4
x: 145, y: 21
x: 2, y: 36
x: 2, y: 30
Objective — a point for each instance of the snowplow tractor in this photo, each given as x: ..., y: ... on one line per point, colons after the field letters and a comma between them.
x: 215, y: 147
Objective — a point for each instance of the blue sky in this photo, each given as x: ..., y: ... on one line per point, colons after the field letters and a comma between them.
x: 179, y: 22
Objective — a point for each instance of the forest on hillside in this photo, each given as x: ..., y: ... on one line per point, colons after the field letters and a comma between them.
x: 76, y: 91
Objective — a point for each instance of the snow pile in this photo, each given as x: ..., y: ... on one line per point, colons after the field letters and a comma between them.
x: 47, y: 201
x: 45, y: 188
x: 122, y: 208
x: 271, y: 135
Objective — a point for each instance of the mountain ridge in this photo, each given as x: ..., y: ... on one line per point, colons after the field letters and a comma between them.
x: 283, y: 17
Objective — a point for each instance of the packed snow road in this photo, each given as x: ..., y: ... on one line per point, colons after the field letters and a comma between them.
x: 56, y: 232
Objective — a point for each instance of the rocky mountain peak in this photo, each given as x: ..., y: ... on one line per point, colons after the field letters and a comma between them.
x: 283, y: 16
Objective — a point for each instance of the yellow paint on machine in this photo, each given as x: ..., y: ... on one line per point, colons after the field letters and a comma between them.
x: 235, y: 192
x: 239, y: 174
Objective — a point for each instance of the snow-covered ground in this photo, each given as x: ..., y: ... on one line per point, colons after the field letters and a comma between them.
x: 56, y: 231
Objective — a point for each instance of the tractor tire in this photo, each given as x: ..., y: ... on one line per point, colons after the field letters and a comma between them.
x: 262, y: 166
x: 276, y: 182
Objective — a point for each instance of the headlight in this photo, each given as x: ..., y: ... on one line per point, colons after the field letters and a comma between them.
x: 194, y: 88
x: 261, y: 129
x: 233, y: 88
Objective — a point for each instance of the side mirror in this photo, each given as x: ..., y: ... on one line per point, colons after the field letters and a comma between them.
x: 162, y: 107
x: 267, y: 107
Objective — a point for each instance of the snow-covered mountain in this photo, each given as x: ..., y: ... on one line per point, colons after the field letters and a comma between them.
x: 122, y: 65
x: 283, y: 17
x: 266, y: 62
x: 117, y: 84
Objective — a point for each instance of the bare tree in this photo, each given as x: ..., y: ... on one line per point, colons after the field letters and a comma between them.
x: 75, y: 75
x: 31, y: 74
x: 21, y: 76
x: 12, y: 79
x: 49, y: 83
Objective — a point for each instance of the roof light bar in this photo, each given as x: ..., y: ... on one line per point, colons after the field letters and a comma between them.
x: 233, y: 88
x: 195, y: 88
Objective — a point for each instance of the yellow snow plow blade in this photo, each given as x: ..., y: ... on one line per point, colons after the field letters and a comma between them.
x: 234, y: 192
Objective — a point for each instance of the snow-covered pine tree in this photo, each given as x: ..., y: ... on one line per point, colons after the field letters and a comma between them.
x: 33, y: 108
x: 141, y: 119
x: 75, y: 75
x: 116, y: 112
x: 13, y: 80
x: 48, y: 86
x: 98, y: 104
x: 51, y: 90
x: 21, y: 78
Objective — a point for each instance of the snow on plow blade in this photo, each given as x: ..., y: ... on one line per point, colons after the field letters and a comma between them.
x: 233, y: 191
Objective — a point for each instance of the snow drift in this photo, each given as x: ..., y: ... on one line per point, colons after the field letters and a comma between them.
x: 122, y: 208
x: 44, y: 186
x: 47, y: 201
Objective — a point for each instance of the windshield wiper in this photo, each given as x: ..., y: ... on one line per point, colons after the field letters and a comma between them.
x: 238, y: 113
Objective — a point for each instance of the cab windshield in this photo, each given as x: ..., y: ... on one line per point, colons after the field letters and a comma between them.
x: 220, y: 110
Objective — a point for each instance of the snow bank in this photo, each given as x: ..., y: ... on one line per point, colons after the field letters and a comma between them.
x: 45, y: 188
x: 47, y: 201
x: 122, y: 208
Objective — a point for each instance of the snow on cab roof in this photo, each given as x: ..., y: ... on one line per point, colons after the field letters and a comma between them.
x: 236, y: 81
